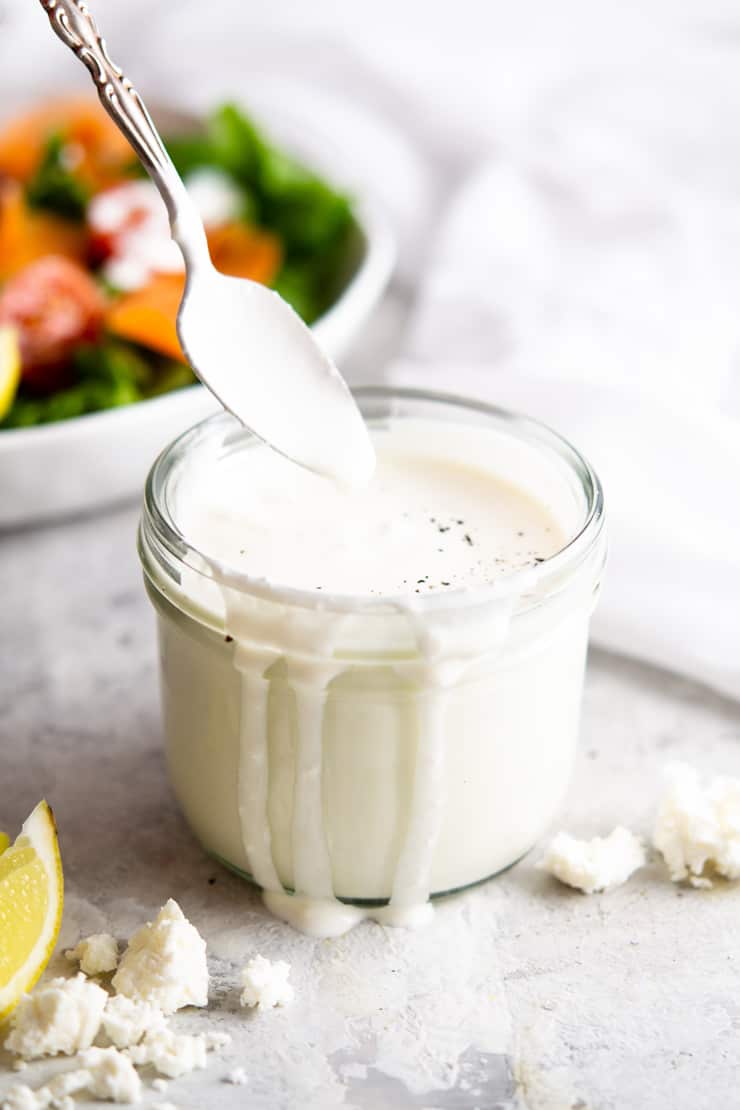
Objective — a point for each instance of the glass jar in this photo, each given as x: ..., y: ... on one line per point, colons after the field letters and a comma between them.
x: 327, y: 759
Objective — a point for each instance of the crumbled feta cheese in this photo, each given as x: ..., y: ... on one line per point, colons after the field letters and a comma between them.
x: 126, y: 1021
x: 215, y: 195
x: 22, y: 1097
x: 237, y: 1076
x: 165, y: 963
x: 110, y: 1075
x: 266, y: 984
x: 126, y: 273
x: 106, y: 1073
x: 697, y: 828
x: 598, y: 864
x: 163, y: 1106
x: 64, y: 1085
x: 95, y: 954
x: 172, y: 1054
x: 62, y: 1016
x: 133, y: 220
x: 160, y: 1085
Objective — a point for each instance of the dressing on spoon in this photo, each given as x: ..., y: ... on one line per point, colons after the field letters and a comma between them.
x: 245, y: 343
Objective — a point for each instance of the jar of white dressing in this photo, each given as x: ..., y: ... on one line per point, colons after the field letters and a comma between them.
x: 371, y: 697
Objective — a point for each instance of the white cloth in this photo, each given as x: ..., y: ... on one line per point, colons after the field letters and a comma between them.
x: 565, y: 183
x: 627, y: 344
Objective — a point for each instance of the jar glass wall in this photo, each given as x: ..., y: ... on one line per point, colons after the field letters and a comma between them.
x: 324, y: 756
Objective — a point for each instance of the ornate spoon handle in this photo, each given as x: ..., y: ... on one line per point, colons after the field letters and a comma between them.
x: 72, y: 22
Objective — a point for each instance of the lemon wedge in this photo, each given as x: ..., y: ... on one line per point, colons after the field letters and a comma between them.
x: 10, y: 367
x: 31, y: 899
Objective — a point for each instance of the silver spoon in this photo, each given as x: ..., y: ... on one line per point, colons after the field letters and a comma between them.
x: 245, y: 343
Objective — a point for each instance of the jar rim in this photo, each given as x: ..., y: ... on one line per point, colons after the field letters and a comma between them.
x: 160, y: 535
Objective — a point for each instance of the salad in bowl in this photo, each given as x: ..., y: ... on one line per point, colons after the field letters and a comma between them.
x: 90, y: 281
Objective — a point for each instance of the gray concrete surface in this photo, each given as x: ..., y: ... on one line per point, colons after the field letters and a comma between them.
x: 520, y: 994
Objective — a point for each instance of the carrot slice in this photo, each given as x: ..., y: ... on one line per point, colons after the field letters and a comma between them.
x: 148, y: 315
x: 101, y: 151
x: 244, y: 251
x: 27, y: 235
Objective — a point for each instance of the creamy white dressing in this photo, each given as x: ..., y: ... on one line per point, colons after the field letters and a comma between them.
x: 425, y: 524
x: 263, y: 363
x: 409, y: 741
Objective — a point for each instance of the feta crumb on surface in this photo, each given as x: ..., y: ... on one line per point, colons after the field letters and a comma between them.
x: 160, y: 1085
x: 63, y: 1015
x: 163, y: 1106
x: 126, y: 1021
x: 697, y: 828
x: 266, y: 983
x: 22, y: 1097
x: 106, y: 1074
x: 237, y: 1076
x: 95, y: 954
x: 111, y: 1075
x: 594, y: 865
x: 174, y: 1054
x: 171, y: 1054
x: 165, y: 963
x: 64, y: 1085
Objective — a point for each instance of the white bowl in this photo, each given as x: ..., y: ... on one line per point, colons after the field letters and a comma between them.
x: 76, y: 465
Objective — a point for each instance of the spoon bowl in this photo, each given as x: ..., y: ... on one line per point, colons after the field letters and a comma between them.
x: 265, y: 366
